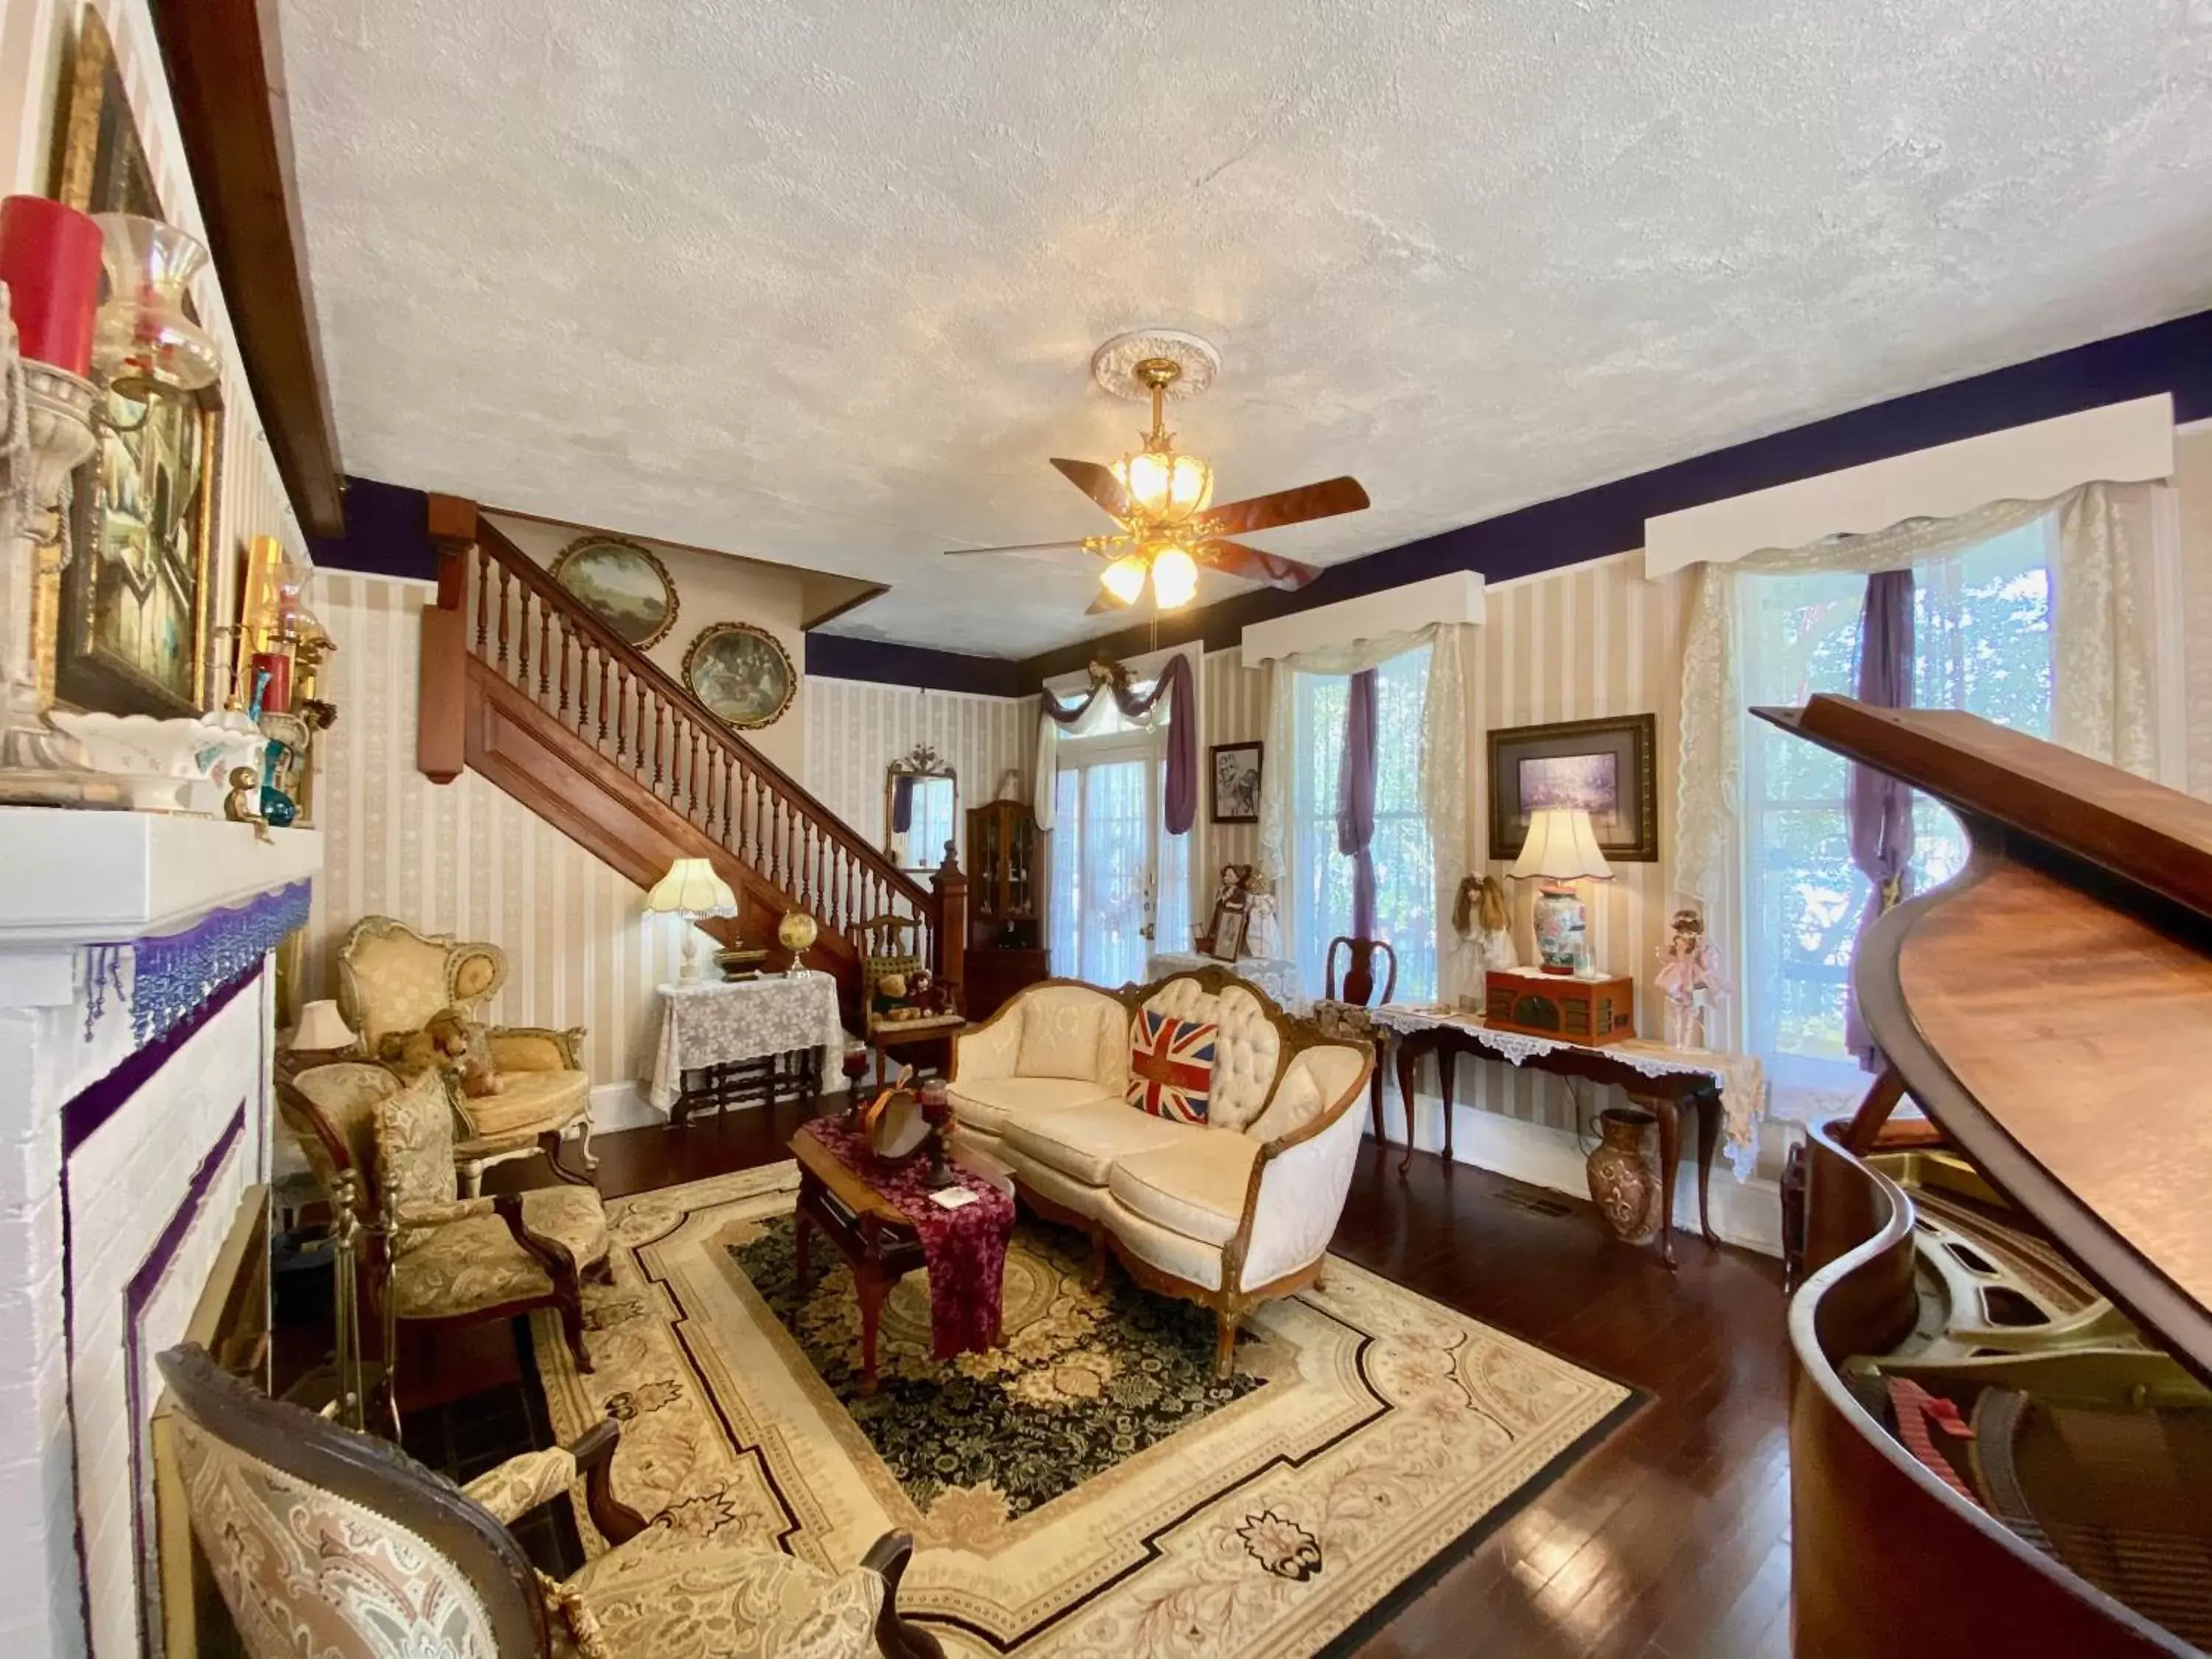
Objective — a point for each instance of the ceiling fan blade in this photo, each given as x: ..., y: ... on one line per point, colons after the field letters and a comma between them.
x: 1235, y: 559
x: 1105, y: 602
x: 1017, y: 547
x: 1313, y: 501
x: 1099, y: 484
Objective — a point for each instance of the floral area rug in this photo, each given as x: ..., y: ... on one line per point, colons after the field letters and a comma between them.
x: 1087, y: 1488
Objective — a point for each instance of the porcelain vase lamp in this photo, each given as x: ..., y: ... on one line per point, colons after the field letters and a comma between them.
x: 1561, y: 850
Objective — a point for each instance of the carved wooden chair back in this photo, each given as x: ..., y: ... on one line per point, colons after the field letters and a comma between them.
x: 323, y: 1538
x: 392, y: 978
x: 1359, y: 987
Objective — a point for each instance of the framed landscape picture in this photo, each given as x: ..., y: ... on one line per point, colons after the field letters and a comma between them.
x: 1608, y: 768
x: 1236, y: 773
x: 742, y: 673
x: 625, y: 585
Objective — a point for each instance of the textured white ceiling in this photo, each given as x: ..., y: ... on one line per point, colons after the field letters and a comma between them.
x: 818, y: 282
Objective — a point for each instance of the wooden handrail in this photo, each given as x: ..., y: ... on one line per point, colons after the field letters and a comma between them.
x: 642, y: 669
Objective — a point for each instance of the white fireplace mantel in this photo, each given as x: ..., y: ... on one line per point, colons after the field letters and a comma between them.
x: 72, y: 878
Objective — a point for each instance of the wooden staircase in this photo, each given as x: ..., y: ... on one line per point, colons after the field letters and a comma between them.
x: 521, y: 683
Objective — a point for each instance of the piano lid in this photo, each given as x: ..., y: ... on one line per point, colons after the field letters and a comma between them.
x: 2051, y: 1008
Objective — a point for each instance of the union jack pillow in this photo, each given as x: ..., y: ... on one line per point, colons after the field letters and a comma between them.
x: 1170, y: 1066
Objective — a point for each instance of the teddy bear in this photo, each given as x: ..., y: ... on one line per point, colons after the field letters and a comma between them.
x: 451, y: 1041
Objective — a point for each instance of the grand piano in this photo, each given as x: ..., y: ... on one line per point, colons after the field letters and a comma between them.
x: 2000, y: 1427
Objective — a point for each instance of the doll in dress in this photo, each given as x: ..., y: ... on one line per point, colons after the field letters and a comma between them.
x: 1690, y: 975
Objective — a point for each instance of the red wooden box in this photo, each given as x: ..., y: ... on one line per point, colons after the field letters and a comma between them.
x: 1594, y: 1010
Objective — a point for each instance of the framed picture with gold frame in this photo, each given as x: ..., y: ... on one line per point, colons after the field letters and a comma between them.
x: 742, y: 673
x: 124, y: 625
x: 622, y: 584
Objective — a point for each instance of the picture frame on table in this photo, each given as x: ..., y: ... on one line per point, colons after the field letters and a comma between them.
x: 1233, y: 769
x: 1226, y: 942
x: 1608, y: 767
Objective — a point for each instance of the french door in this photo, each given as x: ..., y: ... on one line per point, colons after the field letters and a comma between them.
x: 1118, y: 880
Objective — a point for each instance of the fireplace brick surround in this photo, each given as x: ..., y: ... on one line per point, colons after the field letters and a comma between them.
x: 126, y: 1146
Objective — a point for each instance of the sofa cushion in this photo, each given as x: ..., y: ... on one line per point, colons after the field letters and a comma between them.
x: 1246, y: 1051
x: 1170, y: 1066
x: 988, y: 1104
x: 1060, y: 1031
x: 1165, y: 1247
x: 1196, y: 1186
x: 1086, y: 1141
x: 1316, y: 1080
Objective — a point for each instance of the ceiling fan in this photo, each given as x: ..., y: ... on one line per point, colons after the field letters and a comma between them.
x: 1163, y: 500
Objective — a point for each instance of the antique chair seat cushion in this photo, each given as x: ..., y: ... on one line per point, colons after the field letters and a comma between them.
x: 986, y: 1103
x: 1195, y: 1187
x: 527, y: 1103
x: 463, y: 1267
x: 1085, y: 1141
x: 666, y: 1595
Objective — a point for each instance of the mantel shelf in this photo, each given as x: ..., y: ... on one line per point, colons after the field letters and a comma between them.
x: 71, y: 877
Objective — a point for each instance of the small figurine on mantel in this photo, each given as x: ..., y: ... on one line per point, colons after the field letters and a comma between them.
x: 1690, y: 975
x: 1263, y: 927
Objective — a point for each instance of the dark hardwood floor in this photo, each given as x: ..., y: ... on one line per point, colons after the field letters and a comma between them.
x: 1671, y: 1541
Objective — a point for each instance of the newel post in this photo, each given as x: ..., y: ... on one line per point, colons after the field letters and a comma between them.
x: 442, y: 705
x: 951, y: 886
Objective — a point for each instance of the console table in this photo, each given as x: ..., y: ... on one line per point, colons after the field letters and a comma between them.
x: 717, y: 1024
x: 1720, y: 1088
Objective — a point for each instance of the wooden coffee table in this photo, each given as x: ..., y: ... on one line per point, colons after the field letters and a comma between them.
x: 876, y: 1242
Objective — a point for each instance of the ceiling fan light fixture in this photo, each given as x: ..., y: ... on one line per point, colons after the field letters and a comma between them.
x: 1174, y: 577
x: 1125, y: 578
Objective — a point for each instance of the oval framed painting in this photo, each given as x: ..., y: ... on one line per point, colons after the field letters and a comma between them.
x: 742, y: 673
x: 625, y: 585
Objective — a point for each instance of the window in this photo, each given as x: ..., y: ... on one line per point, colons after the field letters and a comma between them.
x: 1319, y: 901
x: 1982, y: 639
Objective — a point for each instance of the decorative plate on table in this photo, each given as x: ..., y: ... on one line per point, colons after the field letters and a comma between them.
x: 625, y: 585
x: 741, y: 672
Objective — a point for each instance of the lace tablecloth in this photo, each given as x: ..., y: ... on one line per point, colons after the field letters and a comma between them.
x: 1741, y: 1078
x: 716, y: 1022
x: 1277, y: 975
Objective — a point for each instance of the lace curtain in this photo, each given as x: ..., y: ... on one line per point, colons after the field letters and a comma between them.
x: 1443, y: 765
x: 2105, y: 536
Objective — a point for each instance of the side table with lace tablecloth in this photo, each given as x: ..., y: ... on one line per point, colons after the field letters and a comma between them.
x: 730, y: 1037
x: 1727, y: 1091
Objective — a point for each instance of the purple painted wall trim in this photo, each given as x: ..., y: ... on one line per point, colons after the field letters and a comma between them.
x: 387, y: 533
x: 842, y: 657
x: 100, y: 1100
x: 2174, y: 357
x: 136, y: 1296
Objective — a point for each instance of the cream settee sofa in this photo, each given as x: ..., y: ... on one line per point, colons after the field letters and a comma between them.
x: 1224, y: 1213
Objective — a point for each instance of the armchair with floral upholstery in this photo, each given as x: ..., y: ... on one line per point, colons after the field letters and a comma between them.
x: 393, y: 982
x: 323, y: 1540
x: 438, y: 1257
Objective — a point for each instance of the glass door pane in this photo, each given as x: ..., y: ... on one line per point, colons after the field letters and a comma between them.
x: 1116, y: 862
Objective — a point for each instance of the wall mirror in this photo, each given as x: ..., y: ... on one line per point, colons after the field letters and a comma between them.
x: 921, y: 808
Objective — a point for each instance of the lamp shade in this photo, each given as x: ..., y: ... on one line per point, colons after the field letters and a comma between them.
x: 321, y: 1026
x: 692, y: 888
x: 1561, y: 846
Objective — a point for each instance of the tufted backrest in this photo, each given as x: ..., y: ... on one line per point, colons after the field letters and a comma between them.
x: 1316, y: 1080
x: 1246, y: 1051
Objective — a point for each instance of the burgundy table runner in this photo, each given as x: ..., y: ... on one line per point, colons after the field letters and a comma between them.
x: 965, y: 1249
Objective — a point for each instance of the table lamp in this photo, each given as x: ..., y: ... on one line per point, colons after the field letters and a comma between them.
x: 322, y: 1029
x: 692, y: 890
x: 1561, y: 850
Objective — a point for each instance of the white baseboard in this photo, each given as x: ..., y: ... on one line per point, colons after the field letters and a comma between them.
x: 1745, y: 1212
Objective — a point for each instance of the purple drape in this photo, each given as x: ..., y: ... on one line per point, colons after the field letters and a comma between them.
x: 901, y: 802
x: 1355, y: 800
x: 1877, y: 807
x: 1181, y: 806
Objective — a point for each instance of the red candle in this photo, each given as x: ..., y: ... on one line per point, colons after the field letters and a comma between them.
x: 277, y: 698
x: 50, y: 259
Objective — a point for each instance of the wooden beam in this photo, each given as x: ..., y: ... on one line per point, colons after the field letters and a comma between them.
x: 226, y: 74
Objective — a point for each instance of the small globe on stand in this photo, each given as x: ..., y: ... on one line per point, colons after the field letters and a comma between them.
x: 796, y: 932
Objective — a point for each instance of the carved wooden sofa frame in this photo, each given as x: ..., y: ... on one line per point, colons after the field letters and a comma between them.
x: 1235, y: 1299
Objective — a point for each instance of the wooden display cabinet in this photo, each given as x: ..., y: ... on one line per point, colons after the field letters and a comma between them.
x: 1005, y: 883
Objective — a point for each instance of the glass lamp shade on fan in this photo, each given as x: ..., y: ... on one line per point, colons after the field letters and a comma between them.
x: 1561, y: 850
x: 692, y: 891
x: 1168, y: 488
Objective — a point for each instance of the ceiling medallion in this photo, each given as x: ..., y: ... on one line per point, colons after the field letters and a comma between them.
x: 1114, y: 365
